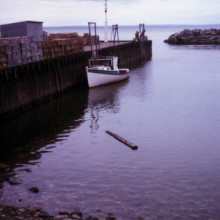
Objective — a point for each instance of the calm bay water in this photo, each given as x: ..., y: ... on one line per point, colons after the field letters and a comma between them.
x: 169, y: 107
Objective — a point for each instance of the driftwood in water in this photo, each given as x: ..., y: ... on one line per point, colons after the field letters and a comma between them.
x: 129, y: 144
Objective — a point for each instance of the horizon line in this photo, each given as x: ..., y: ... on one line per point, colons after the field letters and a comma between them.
x: 130, y: 25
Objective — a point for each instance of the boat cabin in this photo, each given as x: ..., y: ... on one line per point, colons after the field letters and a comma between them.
x: 108, y: 63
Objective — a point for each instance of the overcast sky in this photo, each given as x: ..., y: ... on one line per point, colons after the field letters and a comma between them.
x: 122, y: 12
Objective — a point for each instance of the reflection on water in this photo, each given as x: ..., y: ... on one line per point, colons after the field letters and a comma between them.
x: 23, y: 137
x: 103, y: 99
x: 169, y: 107
x: 196, y: 47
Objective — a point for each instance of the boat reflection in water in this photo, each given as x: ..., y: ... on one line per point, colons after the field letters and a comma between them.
x: 51, y: 148
x: 23, y: 138
x: 104, y: 98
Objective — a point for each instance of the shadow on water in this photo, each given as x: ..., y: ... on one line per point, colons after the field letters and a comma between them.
x: 22, y: 137
x: 195, y: 47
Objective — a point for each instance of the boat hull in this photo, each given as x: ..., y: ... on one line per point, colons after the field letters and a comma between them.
x: 99, y: 78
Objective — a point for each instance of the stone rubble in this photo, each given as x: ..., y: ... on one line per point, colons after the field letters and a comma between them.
x: 195, y: 37
x: 16, y: 213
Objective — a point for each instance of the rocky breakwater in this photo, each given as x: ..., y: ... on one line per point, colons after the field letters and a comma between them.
x: 194, y: 37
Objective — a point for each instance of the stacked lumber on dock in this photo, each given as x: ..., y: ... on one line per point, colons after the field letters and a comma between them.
x: 3, y: 59
x: 87, y: 40
x: 15, y: 51
x: 63, y: 36
x: 62, y: 44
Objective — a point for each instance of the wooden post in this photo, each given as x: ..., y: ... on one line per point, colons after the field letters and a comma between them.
x: 129, y: 144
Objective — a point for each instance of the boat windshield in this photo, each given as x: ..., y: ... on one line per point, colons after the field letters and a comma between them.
x: 101, y: 63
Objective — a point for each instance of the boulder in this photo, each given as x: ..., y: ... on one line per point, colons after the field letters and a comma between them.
x: 14, y: 180
x: 34, y: 189
x: 196, y: 36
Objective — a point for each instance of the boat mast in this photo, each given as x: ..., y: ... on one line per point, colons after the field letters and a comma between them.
x: 106, y: 23
x: 94, y: 40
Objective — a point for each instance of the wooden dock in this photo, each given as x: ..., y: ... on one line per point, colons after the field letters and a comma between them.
x: 106, y: 44
x: 27, y: 85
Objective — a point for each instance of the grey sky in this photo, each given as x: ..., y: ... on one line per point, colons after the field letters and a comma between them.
x: 122, y: 12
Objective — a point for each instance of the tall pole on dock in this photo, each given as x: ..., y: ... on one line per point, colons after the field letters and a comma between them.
x: 106, y: 23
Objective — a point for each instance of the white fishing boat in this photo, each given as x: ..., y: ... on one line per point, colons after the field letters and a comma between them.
x: 104, y: 70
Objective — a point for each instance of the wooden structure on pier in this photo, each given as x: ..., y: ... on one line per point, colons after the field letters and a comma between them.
x: 27, y: 85
x: 33, y: 29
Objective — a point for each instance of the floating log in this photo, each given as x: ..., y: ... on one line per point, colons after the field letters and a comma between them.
x: 129, y: 144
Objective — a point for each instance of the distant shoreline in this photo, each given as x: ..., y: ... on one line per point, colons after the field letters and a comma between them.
x: 147, y: 25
